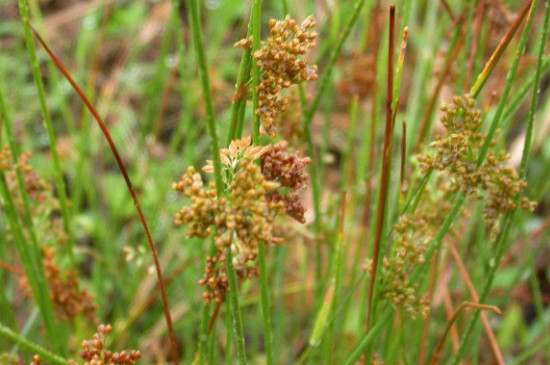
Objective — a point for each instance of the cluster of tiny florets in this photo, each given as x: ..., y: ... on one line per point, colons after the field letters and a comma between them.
x: 69, y: 301
x: 412, y: 234
x: 287, y: 169
x: 94, y: 353
x: 240, y: 219
x: 282, y: 65
x: 456, y: 155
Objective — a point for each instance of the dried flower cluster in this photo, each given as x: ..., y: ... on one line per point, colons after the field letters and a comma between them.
x: 456, y: 155
x: 412, y: 234
x: 94, y: 353
x: 36, y: 360
x: 68, y: 300
x: 287, y: 169
x: 282, y: 65
x: 240, y: 219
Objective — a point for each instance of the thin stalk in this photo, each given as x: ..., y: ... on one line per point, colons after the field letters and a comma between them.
x: 130, y: 187
x: 426, y: 323
x: 381, y: 213
x: 497, y: 54
x: 463, y: 306
x: 60, y: 183
x: 194, y: 20
x: 473, y: 293
x: 240, y: 90
x: 235, y: 309
x: 266, y: 304
x: 31, y: 347
x: 264, y: 288
x: 256, y: 38
x: 337, y: 277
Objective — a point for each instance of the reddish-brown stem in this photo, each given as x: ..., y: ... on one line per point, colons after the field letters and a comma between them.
x: 478, y: 21
x: 385, y: 166
x: 503, y: 44
x: 426, y: 324
x: 463, y: 306
x: 122, y: 168
x: 466, y: 277
x: 441, y: 81
x: 449, y: 313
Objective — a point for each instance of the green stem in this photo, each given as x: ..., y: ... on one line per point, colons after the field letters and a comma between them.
x: 60, y: 183
x: 31, y: 347
x: 266, y: 305
x: 235, y: 309
x: 256, y: 37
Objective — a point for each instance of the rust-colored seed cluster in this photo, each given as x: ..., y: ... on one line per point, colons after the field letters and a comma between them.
x: 287, y: 169
x: 241, y: 218
x: 282, y: 66
x: 94, y: 353
x: 456, y: 155
x: 36, y: 360
x: 68, y: 300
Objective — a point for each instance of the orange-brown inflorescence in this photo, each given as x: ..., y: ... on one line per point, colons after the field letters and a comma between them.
x: 282, y: 65
x: 36, y: 360
x: 287, y: 169
x: 68, y: 300
x: 456, y: 156
x: 240, y: 219
x: 94, y: 353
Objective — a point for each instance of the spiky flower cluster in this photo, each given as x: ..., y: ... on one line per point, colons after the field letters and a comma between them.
x: 287, y: 169
x: 456, y: 155
x: 282, y: 65
x: 68, y: 300
x: 94, y: 353
x: 240, y: 219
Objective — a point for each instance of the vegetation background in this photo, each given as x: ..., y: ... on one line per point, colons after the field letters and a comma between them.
x: 138, y: 62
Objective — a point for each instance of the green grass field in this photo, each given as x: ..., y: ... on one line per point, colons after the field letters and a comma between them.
x: 274, y: 182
